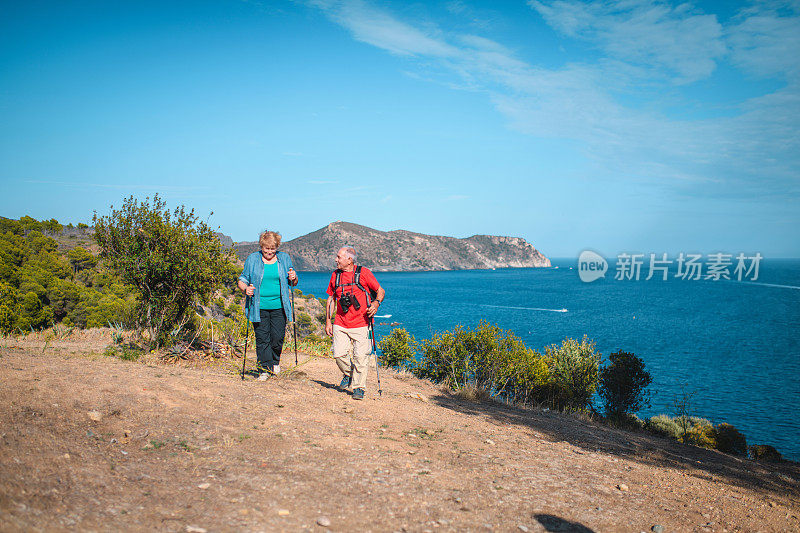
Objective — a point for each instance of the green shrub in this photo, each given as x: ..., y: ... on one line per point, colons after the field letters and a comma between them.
x: 445, y: 358
x: 764, y: 452
x: 623, y: 384
x: 63, y: 296
x: 9, y: 307
x: 523, y: 375
x: 126, y: 353
x: 39, y: 243
x: 81, y: 259
x: 314, y: 338
x: 305, y: 324
x: 234, y: 310
x: 398, y: 349
x: 664, y: 425
x: 627, y: 421
x: 574, y: 369
x: 171, y: 258
x: 33, y: 314
x: 701, y: 435
x: 730, y: 440
x: 112, y: 351
x: 485, y: 358
x: 130, y: 353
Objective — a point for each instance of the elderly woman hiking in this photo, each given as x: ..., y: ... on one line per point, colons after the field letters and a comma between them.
x: 266, y: 280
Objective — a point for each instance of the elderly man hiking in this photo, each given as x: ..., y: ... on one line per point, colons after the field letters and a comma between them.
x: 354, y: 296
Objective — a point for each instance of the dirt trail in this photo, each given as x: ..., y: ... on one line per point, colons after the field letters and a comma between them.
x: 180, y: 449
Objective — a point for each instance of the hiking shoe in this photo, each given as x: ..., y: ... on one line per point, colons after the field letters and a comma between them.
x: 345, y: 382
x: 264, y: 376
x: 358, y: 394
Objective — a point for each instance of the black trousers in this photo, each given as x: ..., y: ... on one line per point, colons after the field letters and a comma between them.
x: 269, y: 337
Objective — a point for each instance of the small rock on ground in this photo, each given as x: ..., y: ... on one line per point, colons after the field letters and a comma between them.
x: 324, y: 521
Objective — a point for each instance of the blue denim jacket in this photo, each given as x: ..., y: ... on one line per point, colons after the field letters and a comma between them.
x: 253, y: 272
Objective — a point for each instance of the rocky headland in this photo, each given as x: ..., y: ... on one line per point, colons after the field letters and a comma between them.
x: 401, y: 250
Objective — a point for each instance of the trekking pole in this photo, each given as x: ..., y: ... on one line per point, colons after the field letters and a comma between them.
x: 246, y: 338
x: 375, y: 351
x: 294, y: 328
x: 244, y: 357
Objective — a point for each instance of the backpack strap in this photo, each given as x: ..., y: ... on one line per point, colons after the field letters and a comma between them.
x: 357, y: 281
x: 338, y: 282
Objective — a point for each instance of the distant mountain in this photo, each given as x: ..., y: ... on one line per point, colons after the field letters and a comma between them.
x: 224, y: 240
x: 401, y: 250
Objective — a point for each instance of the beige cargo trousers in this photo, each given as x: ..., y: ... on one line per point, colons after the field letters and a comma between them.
x: 355, y: 340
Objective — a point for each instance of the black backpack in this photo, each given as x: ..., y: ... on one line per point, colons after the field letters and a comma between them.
x: 371, y: 295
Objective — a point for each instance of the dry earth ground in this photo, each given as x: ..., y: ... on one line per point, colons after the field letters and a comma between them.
x: 95, y: 443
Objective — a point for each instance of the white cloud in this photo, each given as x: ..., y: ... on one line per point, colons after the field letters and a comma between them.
x: 683, y: 43
x: 378, y: 28
x: 646, y: 45
x: 766, y: 43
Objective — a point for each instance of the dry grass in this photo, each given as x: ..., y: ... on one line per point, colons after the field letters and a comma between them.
x: 472, y: 393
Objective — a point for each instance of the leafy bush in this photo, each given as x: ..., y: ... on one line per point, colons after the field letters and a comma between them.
x: 730, y: 440
x: 81, y: 259
x: 574, y: 369
x: 764, y: 452
x: 622, y: 385
x: 305, y: 324
x: 664, y: 425
x: 628, y: 421
x: 234, y: 310
x: 63, y: 296
x: 486, y: 358
x: 126, y: 353
x: 445, y: 358
x: 38, y: 287
x: 398, y: 348
x: 171, y: 259
x: 701, y: 435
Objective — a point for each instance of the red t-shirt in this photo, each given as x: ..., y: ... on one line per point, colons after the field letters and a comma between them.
x: 355, y: 318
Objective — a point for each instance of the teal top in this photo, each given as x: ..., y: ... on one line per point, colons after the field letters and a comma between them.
x: 251, y: 274
x: 271, y: 287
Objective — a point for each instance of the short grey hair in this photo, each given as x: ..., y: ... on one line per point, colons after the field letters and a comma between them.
x: 350, y: 251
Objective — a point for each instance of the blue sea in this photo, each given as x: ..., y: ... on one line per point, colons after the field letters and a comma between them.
x: 733, y: 345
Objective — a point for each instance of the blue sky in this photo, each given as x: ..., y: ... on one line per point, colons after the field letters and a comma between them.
x: 618, y: 126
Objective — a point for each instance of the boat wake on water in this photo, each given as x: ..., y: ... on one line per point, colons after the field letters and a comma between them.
x: 525, y: 308
x: 768, y: 285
